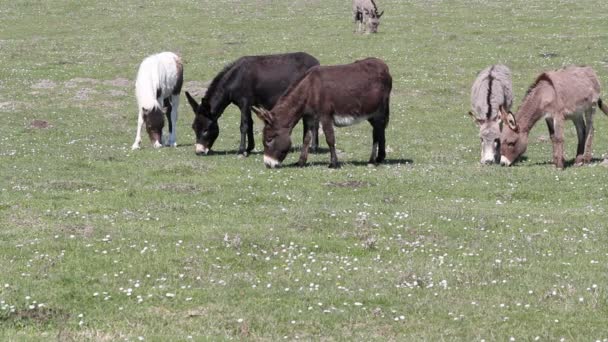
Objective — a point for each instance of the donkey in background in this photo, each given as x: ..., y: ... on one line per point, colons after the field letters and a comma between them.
x: 248, y: 81
x: 566, y: 94
x: 159, y: 82
x: 492, y: 88
x: 366, y: 16
x: 340, y: 95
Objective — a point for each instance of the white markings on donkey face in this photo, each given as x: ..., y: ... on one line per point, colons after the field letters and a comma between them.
x: 271, y: 162
x: 505, y: 161
x: 201, y: 149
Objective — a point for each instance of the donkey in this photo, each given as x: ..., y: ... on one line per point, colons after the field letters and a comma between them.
x: 248, y: 81
x: 492, y: 88
x: 366, y: 16
x: 340, y: 95
x: 566, y: 94
x: 159, y: 82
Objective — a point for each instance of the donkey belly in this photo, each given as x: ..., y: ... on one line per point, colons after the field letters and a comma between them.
x: 343, y: 120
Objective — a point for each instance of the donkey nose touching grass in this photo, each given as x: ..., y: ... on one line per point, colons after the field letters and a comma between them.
x: 566, y: 94
x: 159, y: 82
x: 492, y: 88
x: 340, y: 95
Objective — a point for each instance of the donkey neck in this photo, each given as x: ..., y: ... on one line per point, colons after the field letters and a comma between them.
x: 218, y: 93
x: 218, y: 100
x: 531, y: 109
x: 289, y: 110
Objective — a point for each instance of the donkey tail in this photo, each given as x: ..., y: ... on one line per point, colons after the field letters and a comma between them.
x: 602, y: 106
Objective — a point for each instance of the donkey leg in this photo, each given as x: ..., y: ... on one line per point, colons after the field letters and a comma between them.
x: 328, y: 129
x: 311, y: 126
x: 579, y: 124
x: 167, y: 141
x: 373, y: 157
x: 589, y: 139
x: 558, y: 142
x: 306, y: 142
x: 173, y: 120
x: 140, y: 124
x: 250, y: 139
x: 245, y: 111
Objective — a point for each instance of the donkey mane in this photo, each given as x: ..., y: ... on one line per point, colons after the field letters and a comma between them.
x: 541, y: 77
x: 294, y: 84
x: 215, y: 83
x: 375, y: 7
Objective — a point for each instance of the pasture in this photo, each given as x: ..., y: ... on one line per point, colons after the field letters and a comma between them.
x: 99, y: 242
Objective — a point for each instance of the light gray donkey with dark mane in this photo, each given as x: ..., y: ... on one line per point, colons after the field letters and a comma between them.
x: 366, y: 16
x: 491, y: 90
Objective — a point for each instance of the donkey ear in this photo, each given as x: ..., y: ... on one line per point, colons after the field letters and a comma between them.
x: 511, y: 122
x: 474, y: 117
x: 502, y: 113
x: 508, y: 119
x: 379, y: 15
x: 192, y: 102
x: 263, y: 114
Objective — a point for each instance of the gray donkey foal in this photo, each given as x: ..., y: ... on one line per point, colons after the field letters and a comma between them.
x: 492, y: 88
x: 366, y: 16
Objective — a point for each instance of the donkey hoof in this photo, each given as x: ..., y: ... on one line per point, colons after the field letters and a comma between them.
x: 242, y: 155
x: 135, y: 147
x: 157, y: 145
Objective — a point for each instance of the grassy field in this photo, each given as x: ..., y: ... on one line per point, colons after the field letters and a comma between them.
x: 101, y: 243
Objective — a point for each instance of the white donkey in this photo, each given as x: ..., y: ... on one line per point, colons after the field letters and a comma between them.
x: 491, y: 90
x: 366, y: 16
x: 159, y: 82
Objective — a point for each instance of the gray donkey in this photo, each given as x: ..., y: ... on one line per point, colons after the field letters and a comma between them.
x: 366, y: 16
x: 491, y: 90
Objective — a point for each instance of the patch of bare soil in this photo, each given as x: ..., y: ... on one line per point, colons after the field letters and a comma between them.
x: 119, y: 82
x: 44, y: 84
x: 75, y: 82
x: 40, y: 124
x: 39, y: 315
x: 84, y: 94
x: 348, y: 184
x: 196, y: 88
x: 117, y: 93
x: 179, y: 188
x: 85, y: 231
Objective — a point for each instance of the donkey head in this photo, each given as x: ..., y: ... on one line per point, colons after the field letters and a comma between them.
x: 154, y: 120
x: 372, y: 19
x: 204, y: 125
x: 513, y: 142
x: 277, y: 139
x: 489, y: 135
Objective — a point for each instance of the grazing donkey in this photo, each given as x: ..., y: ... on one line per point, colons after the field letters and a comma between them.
x: 340, y: 95
x: 159, y: 82
x: 566, y: 94
x: 366, y: 16
x: 492, y: 88
x: 248, y: 81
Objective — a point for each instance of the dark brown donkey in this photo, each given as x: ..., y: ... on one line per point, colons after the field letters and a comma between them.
x: 248, y: 81
x: 340, y: 95
x: 566, y: 94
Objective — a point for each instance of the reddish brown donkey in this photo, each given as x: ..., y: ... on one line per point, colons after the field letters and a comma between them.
x: 566, y: 94
x: 340, y: 95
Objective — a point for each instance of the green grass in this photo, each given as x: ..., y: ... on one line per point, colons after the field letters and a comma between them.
x: 429, y: 246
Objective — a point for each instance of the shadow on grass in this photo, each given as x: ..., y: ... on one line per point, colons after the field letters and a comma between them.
x: 568, y: 163
x: 354, y: 163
